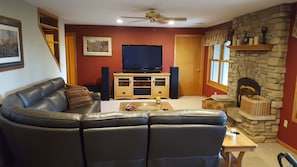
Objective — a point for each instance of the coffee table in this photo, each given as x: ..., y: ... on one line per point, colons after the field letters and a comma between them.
x: 241, y: 143
x: 145, y: 106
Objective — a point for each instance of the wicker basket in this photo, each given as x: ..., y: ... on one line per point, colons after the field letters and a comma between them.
x: 256, y: 105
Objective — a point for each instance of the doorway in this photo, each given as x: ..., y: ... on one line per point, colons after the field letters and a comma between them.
x: 189, y: 58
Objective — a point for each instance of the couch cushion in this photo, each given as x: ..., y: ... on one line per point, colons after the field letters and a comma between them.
x: 211, y: 117
x: 41, y: 105
x: 114, y: 119
x: 78, y: 97
x: 30, y: 95
x: 46, y: 87
x: 41, y: 118
x: 86, y: 109
x: 58, y: 83
x: 57, y: 101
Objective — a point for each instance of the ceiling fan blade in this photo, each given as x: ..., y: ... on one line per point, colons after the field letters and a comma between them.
x: 135, y: 21
x: 128, y: 17
x: 175, y: 18
x: 153, y: 16
x: 160, y: 21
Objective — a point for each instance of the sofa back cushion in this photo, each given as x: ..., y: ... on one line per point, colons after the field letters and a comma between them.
x: 13, y: 110
x: 211, y: 117
x: 116, y: 139
x: 30, y: 95
x: 57, y: 101
x: 46, y: 87
x: 194, y: 136
x: 114, y: 119
x: 58, y: 83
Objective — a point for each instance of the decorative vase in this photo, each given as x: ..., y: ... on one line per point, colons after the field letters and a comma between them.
x: 245, y: 39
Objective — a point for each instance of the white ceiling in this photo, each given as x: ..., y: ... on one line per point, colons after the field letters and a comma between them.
x: 199, y: 13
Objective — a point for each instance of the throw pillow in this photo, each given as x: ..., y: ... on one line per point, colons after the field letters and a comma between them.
x: 78, y: 96
x: 69, y: 86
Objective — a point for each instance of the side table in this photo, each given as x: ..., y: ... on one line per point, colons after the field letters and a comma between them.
x: 240, y: 143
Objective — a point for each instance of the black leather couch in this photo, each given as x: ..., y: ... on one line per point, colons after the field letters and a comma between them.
x: 41, y: 131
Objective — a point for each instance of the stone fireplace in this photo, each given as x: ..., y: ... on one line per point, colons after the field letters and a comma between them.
x: 266, y: 68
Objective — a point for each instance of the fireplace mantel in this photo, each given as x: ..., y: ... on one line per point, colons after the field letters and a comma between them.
x: 263, y: 47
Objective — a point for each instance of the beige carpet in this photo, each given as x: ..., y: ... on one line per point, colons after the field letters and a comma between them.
x: 184, y: 102
x: 264, y: 156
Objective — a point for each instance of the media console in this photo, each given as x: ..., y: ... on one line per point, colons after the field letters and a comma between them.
x: 141, y: 85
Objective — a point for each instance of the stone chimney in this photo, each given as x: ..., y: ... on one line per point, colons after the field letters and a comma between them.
x: 268, y: 68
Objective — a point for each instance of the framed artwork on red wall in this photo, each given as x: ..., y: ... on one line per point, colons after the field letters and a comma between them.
x: 11, y: 49
x: 97, y: 46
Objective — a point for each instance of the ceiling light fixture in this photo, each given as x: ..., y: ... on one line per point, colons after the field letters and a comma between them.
x: 171, y: 22
x: 119, y: 21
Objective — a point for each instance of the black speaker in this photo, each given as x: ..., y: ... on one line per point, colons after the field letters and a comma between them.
x: 105, y: 88
x: 173, y: 93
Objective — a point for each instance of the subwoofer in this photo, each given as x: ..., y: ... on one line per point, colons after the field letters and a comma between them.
x: 173, y: 90
x: 105, y: 86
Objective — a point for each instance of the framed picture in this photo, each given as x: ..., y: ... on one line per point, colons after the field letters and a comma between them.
x: 11, y: 49
x: 97, y: 46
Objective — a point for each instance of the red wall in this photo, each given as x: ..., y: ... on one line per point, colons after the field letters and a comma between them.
x: 288, y: 135
x: 89, y: 67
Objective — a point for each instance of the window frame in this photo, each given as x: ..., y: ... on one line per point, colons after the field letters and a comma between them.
x: 221, y: 60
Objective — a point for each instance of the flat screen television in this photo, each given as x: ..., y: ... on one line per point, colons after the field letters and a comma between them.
x: 142, y: 58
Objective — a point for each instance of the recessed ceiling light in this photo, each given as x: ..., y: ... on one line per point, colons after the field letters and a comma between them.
x: 119, y: 21
x: 171, y: 22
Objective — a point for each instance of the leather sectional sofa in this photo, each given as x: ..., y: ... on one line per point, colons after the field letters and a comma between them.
x: 41, y: 129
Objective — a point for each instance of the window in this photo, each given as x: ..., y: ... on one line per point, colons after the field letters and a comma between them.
x: 218, y: 65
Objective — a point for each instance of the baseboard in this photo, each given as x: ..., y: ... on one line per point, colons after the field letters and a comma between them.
x: 287, y: 146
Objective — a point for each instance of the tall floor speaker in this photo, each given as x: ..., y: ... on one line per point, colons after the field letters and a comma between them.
x: 105, y: 86
x: 173, y: 93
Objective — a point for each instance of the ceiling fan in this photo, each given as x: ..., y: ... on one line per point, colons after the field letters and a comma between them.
x: 153, y: 16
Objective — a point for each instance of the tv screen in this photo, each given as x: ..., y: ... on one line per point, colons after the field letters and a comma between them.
x: 142, y: 58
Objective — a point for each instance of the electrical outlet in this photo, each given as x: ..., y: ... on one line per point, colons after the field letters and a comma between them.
x: 285, y: 123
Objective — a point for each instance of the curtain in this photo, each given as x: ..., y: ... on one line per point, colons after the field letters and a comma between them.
x: 218, y: 36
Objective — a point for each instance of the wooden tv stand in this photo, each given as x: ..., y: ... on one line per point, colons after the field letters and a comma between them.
x: 141, y: 85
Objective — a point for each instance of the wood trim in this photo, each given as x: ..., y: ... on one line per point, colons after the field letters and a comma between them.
x: 217, y: 86
x: 46, y: 13
x: 286, y: 146
x: 294, y: 112
x: 54, y: 46
x: 210, y: 58
x: 71, y: 57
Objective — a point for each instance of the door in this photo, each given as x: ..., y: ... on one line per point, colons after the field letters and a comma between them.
x: 189, y: 58
x: 71, y: 58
